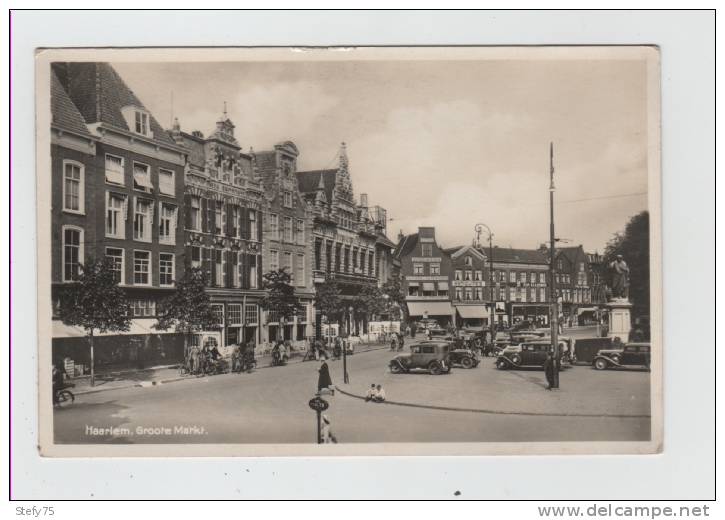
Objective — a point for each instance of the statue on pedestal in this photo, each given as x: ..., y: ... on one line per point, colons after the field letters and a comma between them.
x: 620, y: 278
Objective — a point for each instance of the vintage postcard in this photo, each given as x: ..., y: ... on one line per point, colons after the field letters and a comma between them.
x: 349, y: 251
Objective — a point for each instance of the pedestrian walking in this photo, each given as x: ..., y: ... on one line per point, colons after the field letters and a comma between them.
x: 328, y: 437
x: 549, y: 367
x: 401, y: 341
x: 323, y: 379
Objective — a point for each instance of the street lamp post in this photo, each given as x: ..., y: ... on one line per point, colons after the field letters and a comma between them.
x: 492, y: 305
x: 552, y: 273
x: 345, y: 377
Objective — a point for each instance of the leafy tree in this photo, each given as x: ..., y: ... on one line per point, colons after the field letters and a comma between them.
x: 280, y: 297
x: 395, y: 301
x: 328, y: 301
x: 187, y: 309
x: 633, y: 245
x: 369, y: 301
x: 95, y: 303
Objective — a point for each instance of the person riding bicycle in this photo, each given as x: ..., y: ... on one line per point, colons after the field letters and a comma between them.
x: 58, y: 375
x: 394, y: 342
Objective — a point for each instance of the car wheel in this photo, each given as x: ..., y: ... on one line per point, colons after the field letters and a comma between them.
x: 501, y: 364
x: 467, y: 362
x: 600, y: 364
x: 435, y: 368
x: 516, y: 359
x: 395, y: 368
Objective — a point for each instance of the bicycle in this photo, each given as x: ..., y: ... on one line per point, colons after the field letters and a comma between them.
x: 64, y: 396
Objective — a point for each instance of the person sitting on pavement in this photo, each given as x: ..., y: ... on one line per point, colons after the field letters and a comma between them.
x: 379, y: 395
x: 371, y: 393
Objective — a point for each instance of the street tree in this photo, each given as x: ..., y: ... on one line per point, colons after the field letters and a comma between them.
x: 633, y: 245
x: 280, y: 298
x: 395, y: 300
x: 328, y: 301
x: 95, y: 303
x: 187, y: 309
x: 369, y: 302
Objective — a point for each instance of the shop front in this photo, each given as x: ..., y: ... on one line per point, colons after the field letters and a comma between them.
x: 537, y: 314
x: 440, y: 311
x: 473, y: 316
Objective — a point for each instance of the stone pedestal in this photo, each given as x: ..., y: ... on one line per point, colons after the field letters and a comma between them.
x: 620, y: 318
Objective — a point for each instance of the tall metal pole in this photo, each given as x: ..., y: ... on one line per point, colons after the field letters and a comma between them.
x: 492, y: 297
x: 552, y: 269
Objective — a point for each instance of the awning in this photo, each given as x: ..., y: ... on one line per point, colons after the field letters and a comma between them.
x: 442, y: 286
x: 581, y: 310
x: 472, y: 312
x: 429, y: 286
x: 142, y: 179
x: 412, y: 284
x: 139, y: 326
x: 432, y: 308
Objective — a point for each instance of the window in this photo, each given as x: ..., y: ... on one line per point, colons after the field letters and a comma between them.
x: 142, y: 123
x: 502, y: 276
x: 142, y: 177
x: 234, y: 314
x: 287, y: 229
x: 143, y: 308
x: 469, y: 293
x: 251, y: 314
x: 115, y: 215
x: 195, y: 214
x: 522, y: 277
x: 467, y: 275
x: 236, y: 268
x: 435, y: 268
x: 502, y: 294
x: 542, y: 295
x: 166, y: 182
x: 458, y: 275
x: 533, y: 294
x: 426, y: 249
x: 559, y: 265
x: 469, y: 261
x: 218, y: 310
x: 417, y: 268
x: 273, y: 260
x: 72, y: 252
x: 166, y: 269
x: 273, y: 226
x: 300, y: 232
x: 236, y: 217
x: 167, y: 224
x: 253, y: 225
x: 478, y: 275
x: 114, y: 169
x: 287, y: 199
x: 73, y: 199
x: 142, y: 220
x: 478, y: 293
x: 512, y: 276
x: 253, y: 282
x: 288, y: 264
x: 219, y: 268
x: 542, y: 277
x: 141, y: 264
x: 300, y: 270
x: 115, y: 255
x: 195, y: 256
x: 459, y: 293
x: 218, y: 209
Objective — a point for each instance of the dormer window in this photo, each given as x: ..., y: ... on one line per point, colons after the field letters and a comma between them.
x: 142, y: 123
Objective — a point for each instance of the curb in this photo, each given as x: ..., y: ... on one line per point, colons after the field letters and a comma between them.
x: 496, y: 412
x: 149, y: 384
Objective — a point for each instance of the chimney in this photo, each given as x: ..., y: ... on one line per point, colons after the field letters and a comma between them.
x: 364, y: 200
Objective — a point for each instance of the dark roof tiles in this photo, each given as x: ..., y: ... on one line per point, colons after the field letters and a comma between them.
x: 64, y: 112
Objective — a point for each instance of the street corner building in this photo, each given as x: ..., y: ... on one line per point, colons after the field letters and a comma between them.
x: 117, y: 188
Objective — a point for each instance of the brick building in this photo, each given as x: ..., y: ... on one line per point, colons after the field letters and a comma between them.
x: 117, y: 180
x: 426, y: 272
x: 224, y: 204
x: 287, y: 238
x: 470, y: 286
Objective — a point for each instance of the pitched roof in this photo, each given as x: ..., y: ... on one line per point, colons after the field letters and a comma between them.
x: 406, y: 245
x: 522, y: 256
x: 310, y: 180
x: 99, y: 93
x: 64, y: 113
x: 195, y: 145
x: 382, y: 239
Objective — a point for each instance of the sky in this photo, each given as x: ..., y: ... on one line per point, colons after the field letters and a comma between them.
x: 440, y: 143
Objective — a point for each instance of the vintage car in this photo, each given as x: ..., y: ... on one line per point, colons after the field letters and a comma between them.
x: 464, y: 357
x: 629, y: 354
x: 531, y: 353
x: 433, y: 356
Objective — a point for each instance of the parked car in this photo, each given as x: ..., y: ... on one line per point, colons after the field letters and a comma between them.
x: 629, y: 354
x: 464, y: 357
x: 433, y: 356
x: 531, y: 353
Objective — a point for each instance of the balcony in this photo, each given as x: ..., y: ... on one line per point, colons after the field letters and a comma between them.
x: 319, y: 276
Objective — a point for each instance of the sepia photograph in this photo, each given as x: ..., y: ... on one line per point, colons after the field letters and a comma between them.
x: 349, y: 251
